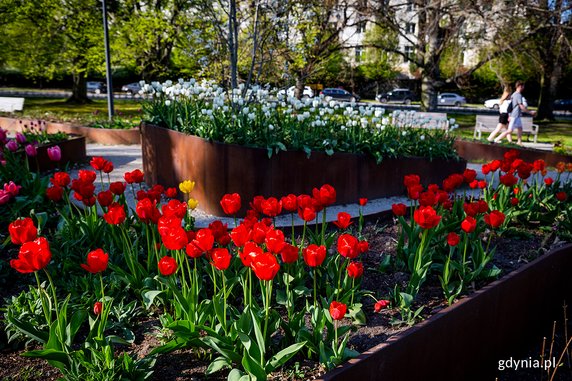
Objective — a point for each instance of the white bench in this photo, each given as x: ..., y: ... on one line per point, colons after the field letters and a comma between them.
x: 435, y: 120
x: 11, y: 104
x: 487, y: 123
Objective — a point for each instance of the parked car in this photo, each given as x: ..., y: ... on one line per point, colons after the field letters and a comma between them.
x: 340, y: 94
x: 451, y: 99
x: 96, y: 87
x: 492, y: 103
x: 405, y: 96
x: 563, y: 105
x: 132, y: 88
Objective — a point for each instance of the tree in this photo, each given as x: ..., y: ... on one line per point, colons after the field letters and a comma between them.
x: 46, y: 38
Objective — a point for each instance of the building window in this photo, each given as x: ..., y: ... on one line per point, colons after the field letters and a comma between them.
x: 408, y: 50
x: 358, y: 54
x: 360, y: 27
x: 410, y: 28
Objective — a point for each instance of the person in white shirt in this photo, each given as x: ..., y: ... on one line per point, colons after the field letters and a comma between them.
x: 519, y: 106
x: 503, y: 116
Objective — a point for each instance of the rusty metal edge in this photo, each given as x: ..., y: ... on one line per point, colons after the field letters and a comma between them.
x: 464, y: 362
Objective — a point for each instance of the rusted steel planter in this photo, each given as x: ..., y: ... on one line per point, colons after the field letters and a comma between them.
x: 467, y: 340
x: 472, y: 150
x: 170, y: 157
x: 73, y: 151
x: 95, y: 135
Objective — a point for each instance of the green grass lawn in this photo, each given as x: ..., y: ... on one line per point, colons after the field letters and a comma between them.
x: 96, y: 111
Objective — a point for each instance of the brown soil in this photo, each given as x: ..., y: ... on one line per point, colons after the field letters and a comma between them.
x: 511, y: 253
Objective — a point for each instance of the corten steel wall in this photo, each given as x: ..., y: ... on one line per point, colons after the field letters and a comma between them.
x: 467, y: 340
x: 95, y: 135
x: 480, y: 151
x: 170, y: 157
x: 73, y: 151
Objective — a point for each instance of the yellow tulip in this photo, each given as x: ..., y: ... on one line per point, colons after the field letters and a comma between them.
x: 187, y: 186
x: 192, y: 203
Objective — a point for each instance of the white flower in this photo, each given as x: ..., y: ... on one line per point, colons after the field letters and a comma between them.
x: 271, y: 127
x: 168, y: 102
x: 404, y: 133
x: 422, y: 137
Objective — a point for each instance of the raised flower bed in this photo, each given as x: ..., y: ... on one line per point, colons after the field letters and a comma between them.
x: 92, y: 134
x: 169, y: 157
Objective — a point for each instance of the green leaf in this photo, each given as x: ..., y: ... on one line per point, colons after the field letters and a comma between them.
x: 50, y: 355
x: 236, y: 375
x: 260, y: 339
x: 253, y: 367
x: 218, y: 364
x: 283, y: 356
x: 28, y: 329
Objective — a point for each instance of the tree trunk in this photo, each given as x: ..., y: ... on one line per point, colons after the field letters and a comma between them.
x: 233, y: 44
x: 299, y: 90
x: 79, y: 90
x: 430, y: 73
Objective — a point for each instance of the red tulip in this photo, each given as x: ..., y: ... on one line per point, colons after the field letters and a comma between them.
x: 250, y: 251
x: 97, y: 163
x: 380, y: 304
x: 289, y: 253
x: 87, y: 176
x: 495, y: 164
x: 220, y: 258
x: 486, y: 169
x: 338, y: 310
x: 548, y: 181
x: 61, y: 179
x: 427, y: 199
x: 147, y: 211
x: 115, y: 214
x: 426, y: 217
x: 344, y: 220
x: 203, y: 242
x: 289, y: 203
x: 494, y: 219
x: 348, y: 246
x: 471, y: 209
x: 469, y: 175
x: 33, y: 256
x: 97, y: 308
x: 55, y: 193
x: 22, y: 231
x: 108, y: 167
x: 561, y: 196
x: 97, y: 261
x: 230, y: 203
x: 175, y: 238
x: 175, y: 208
x: 166, y: 223
x: 355, y: 269
x: 362, y: 201
x: 117, y: 188
x: 240, y: 235
x: 259, y: 231
x: 326, y: 195
x: 409, y: 180
x: 363, y: 246
x: 271, y: 207
x: 135, y: 176
x: 414, y: 191
x: 167, y: 266
x: 453, y: 239
x: 539, y: 165
x: 171, y: 192
x: 469, y: 225
x: 265, y: 266
x: 307, y: 214
x: 314, y: 255
x: 514, y: 201
x: 399, y: 209
x: 105, y: 198
x: 274, y: 241
x: 508, y: 180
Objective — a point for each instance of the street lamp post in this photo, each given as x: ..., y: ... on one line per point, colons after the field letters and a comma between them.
x: 107, y: 63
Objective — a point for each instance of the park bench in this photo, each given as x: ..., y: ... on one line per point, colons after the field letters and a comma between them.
x: 487, y: 123
x: 11, y: 104
x: 435, y: 120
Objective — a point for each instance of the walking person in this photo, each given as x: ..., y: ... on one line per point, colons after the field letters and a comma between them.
x: 503, y: 116
x: 518, y: 107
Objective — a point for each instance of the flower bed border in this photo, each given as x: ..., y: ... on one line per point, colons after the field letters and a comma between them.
x: 219, y: 168
x: 73, y: 151
x: 92, y: 134
x: 466, y: 340
x: 474, y: 150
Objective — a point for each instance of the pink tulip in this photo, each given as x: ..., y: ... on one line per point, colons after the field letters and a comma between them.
x: 21, y: 138
x: 30, y: 150
x: 4, y: 197
x: 3, y: 136
x: 55, y: 153
x: 12, y: 188
x: 12, y: 145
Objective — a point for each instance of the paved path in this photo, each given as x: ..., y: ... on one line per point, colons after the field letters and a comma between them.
x: 127, y: 158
